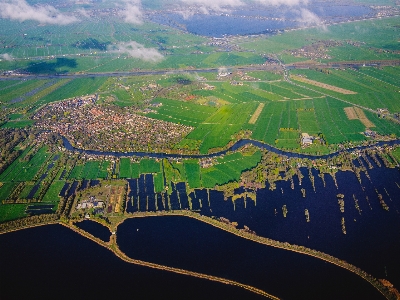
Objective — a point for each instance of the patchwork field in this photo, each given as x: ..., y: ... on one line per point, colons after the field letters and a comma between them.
x: 356, y: 113
x: 323, y: 85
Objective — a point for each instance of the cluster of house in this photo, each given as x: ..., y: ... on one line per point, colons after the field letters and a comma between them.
x: 92, y: 202
x: 64, y: 106
x: 207, y: 162
x: 208, y: 87
x: 95, y: 127
x: 306, y: 139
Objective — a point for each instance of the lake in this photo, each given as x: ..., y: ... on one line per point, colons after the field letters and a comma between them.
x: 192, y: 245
x: 53, y: 262
x: 259, y: 19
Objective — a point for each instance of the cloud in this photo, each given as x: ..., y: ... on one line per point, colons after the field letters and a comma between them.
x: 214, y: 5
x: 6, y: 57
x: 309, y: 18
x: 83, y: 12
x: 282, y: 2
x: 132, y: 12
x: 205, y: 6
x: 20, y: 10
x: 137, y: 50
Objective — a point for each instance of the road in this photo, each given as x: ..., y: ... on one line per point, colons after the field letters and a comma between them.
x: 248, y: 68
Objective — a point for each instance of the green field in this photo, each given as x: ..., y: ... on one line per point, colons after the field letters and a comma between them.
x: 6, y: 189
x: 103, y: 172
x: 148, y: 166
x: 25, y: 192
x: 181, y: 112
x: 192, y: 170
x: 158, y: 182
x: 91, y: 170
x: 10, y: 212
x: 52, y: 194
x: 217, y: 130
x: 370, y: 39
x: 228, y: 169
x: 76, y: 172
x: 22, y: 170
x: 75, y: 88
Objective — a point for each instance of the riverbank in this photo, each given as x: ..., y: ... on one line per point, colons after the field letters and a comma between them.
x: 234, y: 147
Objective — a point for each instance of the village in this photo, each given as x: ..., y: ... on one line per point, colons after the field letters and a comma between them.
x: 95, y: 127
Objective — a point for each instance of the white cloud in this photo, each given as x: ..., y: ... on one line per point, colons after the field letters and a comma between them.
x: 83, y: 12
x: 20, y: 10
x: 6, y: 56
x: 309, y: 18
x: 282, y: 2
x: 205, y: 6
x: 137, y: 50
x: 214, y: 5
x: 132, y: 12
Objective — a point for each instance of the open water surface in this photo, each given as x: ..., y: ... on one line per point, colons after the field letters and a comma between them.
x: 259, y: 20
x: 53, y: 262
x: 95, y: 229
x: 190, y: 244
x: 372, y: 239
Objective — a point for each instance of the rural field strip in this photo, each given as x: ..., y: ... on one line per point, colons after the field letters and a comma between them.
x: 257, y: 113
x: 377, y: 79
x: 355, y: 82
x: 334, y: 97
x: 308, y: 98
x: 323, y: 85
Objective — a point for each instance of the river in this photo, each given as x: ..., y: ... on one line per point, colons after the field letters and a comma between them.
x: 235, y: 147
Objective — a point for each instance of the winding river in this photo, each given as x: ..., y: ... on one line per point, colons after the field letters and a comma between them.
x: 235, y: 147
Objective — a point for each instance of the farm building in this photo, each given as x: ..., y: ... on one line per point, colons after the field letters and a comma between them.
x: 306, y: 139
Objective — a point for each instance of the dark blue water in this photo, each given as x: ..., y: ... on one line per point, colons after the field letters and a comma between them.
x: 72, y: 189
x: 95, y: 229
x: 39, y: 209
x: 372, y: 240
x: 84, y: 185
x: 55, y: 262
x: 64, y: 189
x: 190, y: 244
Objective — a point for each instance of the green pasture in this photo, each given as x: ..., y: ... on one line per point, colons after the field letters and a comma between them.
x: 10, y: 212
x: 180, y: 112
x: 75, y: 88
x: 229, y: 168
x: 158, y: 180
x: 217, y: 130
x: 103, y: 172
x: 26, y: 190
x: 6, y: 189
x: 91, y: 170
x: 192, y: 171
x: 148, y: 166
x: 127, y: 169
x: 378, y: 33
x: 76, y: 172
x: 52, y: 194
x: 21, y: 170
